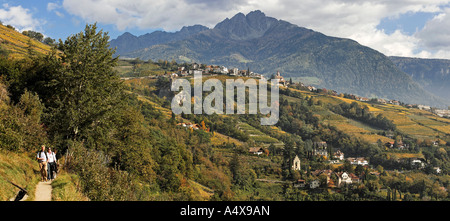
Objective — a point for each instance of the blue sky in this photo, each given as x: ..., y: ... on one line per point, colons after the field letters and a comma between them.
x: 54, y: 21
x: 416, y: 28
x: 409, y: 23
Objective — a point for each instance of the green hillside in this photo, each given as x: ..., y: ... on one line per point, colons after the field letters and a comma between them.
x: 18, y: 45
x: 307, y: 117
x: 111, y: 122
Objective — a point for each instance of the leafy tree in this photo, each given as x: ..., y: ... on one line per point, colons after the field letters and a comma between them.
x: 33, y: 34
x: 20, y: 125
x: 87, y: 92
x: 49, y: 41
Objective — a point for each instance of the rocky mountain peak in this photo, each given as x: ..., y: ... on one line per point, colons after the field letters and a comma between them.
x: 244, y: 27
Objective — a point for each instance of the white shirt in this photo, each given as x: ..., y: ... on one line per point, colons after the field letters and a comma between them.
x: 51, y: 157
x: 41, y: 154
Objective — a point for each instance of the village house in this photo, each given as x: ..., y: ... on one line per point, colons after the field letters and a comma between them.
x: 437, y: 170
x: 195, y: 66
x: 220, y: 70
x: 256, y: 150
x: 300, y: 184
x: 358, y: 161
x: 442, y: 112
x: 334, y: 161
x: 314, y: 184
x: 183, y: 73
x: 399, y: 146
x: 321, y: 152
x: 311, y: 88
x: 234, y: 71
x: 280, y: 78
x: 189, y: 125
x: 327, y: 173
x: 365, y: 99
x: 320, y: 149
x: 417, y: 163
x: 344, y: 178
x: 423, y: 107
x: 195, y: 72
x: 209, y: 68
x: 338, y: 155
x: 394, y: 102
x: 242, y: 73
x: 354, y: 178
x: 381, y: 101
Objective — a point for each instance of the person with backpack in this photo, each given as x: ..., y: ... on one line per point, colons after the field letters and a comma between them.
x: 43, y: 159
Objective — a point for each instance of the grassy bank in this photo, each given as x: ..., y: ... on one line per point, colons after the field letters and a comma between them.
x: 65, y: 188
x: 19, y: 169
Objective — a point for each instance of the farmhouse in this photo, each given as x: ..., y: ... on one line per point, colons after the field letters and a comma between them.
x: 344, y: 178
x: 338, y: 155
x: 358, y: 161
x: 189, y: 125
x: 417, y: 163
x: 314, y: 184
x: 300, y: 184
x: 320, y: 148
x: 256, y: 150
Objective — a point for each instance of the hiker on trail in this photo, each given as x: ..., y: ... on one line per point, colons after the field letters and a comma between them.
x: 51, y: 164
x: 43, y: 159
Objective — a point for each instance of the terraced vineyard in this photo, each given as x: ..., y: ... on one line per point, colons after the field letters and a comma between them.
x: 18, y: 45
x: 411, y: 121
x: 256, y: 135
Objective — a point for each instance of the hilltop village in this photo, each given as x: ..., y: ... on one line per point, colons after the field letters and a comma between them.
x: 188, y: 70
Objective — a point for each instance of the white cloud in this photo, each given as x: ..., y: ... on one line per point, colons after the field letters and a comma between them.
x: 356, y: 19
x: 435, y: 35
x: 145, y: 14
x: 53, y: 7
x: 19, y: 17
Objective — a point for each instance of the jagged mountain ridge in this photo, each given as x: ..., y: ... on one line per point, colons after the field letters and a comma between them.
x: 128, y: 42
x: 266, y: 45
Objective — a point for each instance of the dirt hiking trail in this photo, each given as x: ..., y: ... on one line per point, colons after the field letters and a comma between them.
x: 43, y: 191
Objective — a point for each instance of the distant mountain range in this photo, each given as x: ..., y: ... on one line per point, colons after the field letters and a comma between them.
x: 432, y: 74
x: 127, y: 42
x: 266, y: 45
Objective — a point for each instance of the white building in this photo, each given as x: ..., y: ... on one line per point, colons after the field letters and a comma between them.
x: 234, y: 71
x: 417, y: 163
x: 344, y: 178
x: 314, y: 184
x: 358, y: 161
x: 296, y: 163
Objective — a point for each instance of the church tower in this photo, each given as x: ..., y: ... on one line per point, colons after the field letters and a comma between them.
x: 296, y: 163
